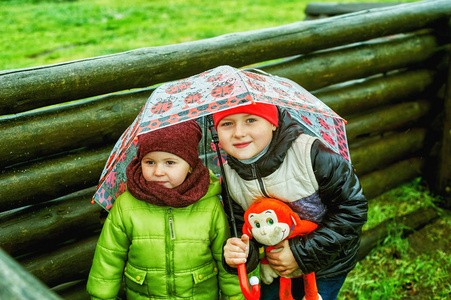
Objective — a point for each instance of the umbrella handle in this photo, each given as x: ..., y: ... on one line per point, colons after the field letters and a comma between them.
x: 214, y: 136
x: 249, y: 294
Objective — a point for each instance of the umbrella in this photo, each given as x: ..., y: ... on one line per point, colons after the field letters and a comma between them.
x: 211, y: 91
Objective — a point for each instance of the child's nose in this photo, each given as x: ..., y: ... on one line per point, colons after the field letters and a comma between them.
x: 239, y: 131
x: 159, y: 170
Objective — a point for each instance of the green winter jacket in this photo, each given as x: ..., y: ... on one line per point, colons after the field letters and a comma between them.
x: 163, y: 252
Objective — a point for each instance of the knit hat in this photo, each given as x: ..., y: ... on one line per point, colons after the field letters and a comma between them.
x: 264, y: 110
x: 181, y: 139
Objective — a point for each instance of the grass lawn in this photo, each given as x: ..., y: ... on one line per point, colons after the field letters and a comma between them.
x: 40, y: 32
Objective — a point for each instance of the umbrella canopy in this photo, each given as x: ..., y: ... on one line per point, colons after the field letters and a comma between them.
x: 214, y: 90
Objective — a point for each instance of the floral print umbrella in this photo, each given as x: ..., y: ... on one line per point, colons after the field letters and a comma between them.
x: 211, y: 91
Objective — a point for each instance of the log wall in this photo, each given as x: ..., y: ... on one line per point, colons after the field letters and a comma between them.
x: 384, y: 70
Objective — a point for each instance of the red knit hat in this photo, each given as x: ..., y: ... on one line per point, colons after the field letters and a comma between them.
x: 264, y: 110
x: 181, y: 139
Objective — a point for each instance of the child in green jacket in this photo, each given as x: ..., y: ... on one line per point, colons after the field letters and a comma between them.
x: 164, y: 235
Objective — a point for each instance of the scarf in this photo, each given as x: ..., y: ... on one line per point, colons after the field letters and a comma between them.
x: 190, y: 191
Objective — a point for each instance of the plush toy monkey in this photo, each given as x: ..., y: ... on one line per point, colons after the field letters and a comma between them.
x: 271, y: 221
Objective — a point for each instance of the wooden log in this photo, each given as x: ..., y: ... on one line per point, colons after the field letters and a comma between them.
x: 25, y: 89
x: 16, y: 283
x: 42, y: 227
x: 442, y: 185
x: 50, y: 179
x: 407, y: 223
x: 378, y: 182
x: 374, y: 155
x: 89, y: 123
x: 315, y: 10
x: 386, y: 119
x: 69, y: 263
x: 317, y: 70
x: 359, y: 96
x: 73, y: 291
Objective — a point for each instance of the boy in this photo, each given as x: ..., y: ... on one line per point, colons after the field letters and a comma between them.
x: 270, y: 157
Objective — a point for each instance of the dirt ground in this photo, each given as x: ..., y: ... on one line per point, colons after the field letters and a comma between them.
x: 432, y: 240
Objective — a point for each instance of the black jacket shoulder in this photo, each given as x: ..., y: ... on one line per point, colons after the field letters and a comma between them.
x: 332, y: 248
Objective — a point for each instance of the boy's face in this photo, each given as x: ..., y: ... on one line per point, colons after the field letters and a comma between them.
x: 167, y: 169
x: 243, y: 135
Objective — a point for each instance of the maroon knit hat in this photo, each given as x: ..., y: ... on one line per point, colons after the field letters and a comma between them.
x: 181, y: 139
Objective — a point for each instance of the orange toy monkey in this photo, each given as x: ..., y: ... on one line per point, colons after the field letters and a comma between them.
x: 271, y: 221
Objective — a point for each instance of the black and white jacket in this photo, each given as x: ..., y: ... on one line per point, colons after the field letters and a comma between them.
x: 318, y: 184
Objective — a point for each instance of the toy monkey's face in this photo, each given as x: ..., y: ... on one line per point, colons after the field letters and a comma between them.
x: 266, y: 228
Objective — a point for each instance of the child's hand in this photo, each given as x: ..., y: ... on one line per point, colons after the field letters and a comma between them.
x: 283, y: 260
x: 236, y: 250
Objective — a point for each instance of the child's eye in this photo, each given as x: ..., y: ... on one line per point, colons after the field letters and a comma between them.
x: 149, y: 162
x: 250, y: 120
x: 170, y: 162
x: 226, y: 124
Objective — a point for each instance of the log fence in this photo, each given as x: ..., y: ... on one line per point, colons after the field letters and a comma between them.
x: 383, y: 69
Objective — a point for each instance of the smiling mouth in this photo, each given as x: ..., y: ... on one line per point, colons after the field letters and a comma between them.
x: 241, y: 145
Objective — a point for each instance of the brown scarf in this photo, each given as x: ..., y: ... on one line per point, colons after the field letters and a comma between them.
x: 190, y: 191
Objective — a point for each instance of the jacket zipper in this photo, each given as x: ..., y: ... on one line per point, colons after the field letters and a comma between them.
x: 171, y: 228
x: 170, y: 252
x: 256, y: 175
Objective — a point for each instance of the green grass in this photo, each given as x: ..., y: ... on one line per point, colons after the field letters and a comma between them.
x: 39, y: 32
x: 394, y: 270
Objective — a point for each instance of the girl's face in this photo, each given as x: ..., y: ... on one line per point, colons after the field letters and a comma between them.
x: 243, y: 135
x: 164, y: 168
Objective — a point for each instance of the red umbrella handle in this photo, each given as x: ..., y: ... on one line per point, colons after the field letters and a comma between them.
x: 249, y: 294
